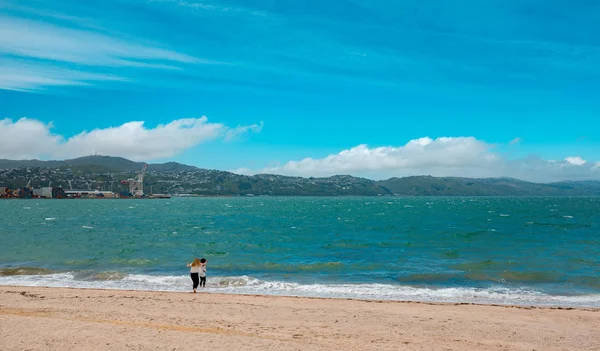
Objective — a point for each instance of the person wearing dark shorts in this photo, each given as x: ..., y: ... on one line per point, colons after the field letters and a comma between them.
x: 194, y: 272
x: 202, y: 272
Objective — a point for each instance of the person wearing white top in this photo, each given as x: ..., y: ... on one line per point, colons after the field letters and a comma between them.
x: 202, y: 272
x: 194, y: 270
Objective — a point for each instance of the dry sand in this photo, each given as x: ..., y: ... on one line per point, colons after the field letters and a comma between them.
x: 86, y: 319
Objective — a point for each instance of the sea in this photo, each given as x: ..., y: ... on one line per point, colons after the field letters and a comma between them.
x: 534, y: 251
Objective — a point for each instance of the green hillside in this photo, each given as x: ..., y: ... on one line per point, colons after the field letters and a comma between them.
x: 108, y: 173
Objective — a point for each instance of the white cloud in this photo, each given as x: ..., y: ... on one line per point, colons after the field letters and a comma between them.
x: 243, y: 170
x: 460, y: 156
x: 425, y: 153
x: 575, y: 161
x: 29, y: 138
x: 26, y: 138
x: 241, y: 131
x: 516, y: 141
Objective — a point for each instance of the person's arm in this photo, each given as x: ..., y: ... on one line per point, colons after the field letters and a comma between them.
x: 189, y: 264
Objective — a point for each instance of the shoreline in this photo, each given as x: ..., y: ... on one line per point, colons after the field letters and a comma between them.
x: 403, y: 196
x: 42, y: 318
x: 252, y: 286
x: 320, y: 298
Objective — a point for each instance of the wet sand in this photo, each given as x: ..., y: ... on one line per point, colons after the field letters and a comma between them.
x: 86, y: 319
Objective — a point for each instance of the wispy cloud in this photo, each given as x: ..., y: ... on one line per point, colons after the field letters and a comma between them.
x: 41, y: 54
x: 375, y: 43
x: 516, y: 141
x: 21, y: 75
x: 242, y: 131
x: 132, y: 139
x: 34, y: 39
x: 211, y: 6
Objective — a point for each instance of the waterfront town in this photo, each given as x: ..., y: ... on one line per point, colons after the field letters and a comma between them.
x: 134, y: 188
x: 110, y: 177
x: 55, y: 193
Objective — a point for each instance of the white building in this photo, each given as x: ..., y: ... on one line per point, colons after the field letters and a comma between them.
x: 46, y: 192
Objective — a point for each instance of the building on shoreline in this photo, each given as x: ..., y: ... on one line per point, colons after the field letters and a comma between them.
x: 52, y: 193
x: 60, y: 193
x: 89, y: 194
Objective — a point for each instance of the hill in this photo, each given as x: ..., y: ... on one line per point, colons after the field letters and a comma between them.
x: 109, y: 162
x: 452, y: 186
x: 107, y: 173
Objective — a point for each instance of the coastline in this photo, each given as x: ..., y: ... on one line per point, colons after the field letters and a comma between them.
x: 254, y: 286
x: 101, y: 319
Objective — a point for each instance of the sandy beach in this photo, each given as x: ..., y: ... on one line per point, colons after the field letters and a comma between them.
x: 33, y: 318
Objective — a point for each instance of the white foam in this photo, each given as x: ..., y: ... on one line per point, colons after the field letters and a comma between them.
x: 250, y: 285
x: 50, y: 219
x: 87, y: 227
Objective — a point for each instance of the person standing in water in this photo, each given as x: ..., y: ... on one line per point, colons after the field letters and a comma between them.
x: 194, y: 269
x: 202, y: 272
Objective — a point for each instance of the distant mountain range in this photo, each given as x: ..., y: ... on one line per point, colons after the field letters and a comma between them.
x: 109, y: 162
x: 451, y: 186
x: 104, y: 171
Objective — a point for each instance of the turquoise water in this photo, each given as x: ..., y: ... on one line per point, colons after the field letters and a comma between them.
x: 534, y: 251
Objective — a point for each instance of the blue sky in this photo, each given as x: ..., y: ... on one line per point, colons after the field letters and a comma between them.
x: 281, y: 81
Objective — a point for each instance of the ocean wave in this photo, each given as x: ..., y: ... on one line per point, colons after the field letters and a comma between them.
x: 24, y: 271
x: 100, y: 276
x: 255, y: 286
x: 133, y: 262
x: 333, y: 266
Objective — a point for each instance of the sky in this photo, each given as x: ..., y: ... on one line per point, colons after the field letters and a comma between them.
x: 376, y: 89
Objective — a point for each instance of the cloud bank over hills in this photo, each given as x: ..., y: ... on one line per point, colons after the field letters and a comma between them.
x: 445, y: 156
x: 28, y: 138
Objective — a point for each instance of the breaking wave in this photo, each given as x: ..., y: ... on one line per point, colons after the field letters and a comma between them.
x: 255, y: 286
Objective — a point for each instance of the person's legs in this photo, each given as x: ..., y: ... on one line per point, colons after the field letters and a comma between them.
x: 195, y: 280
x: 203, y: 281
